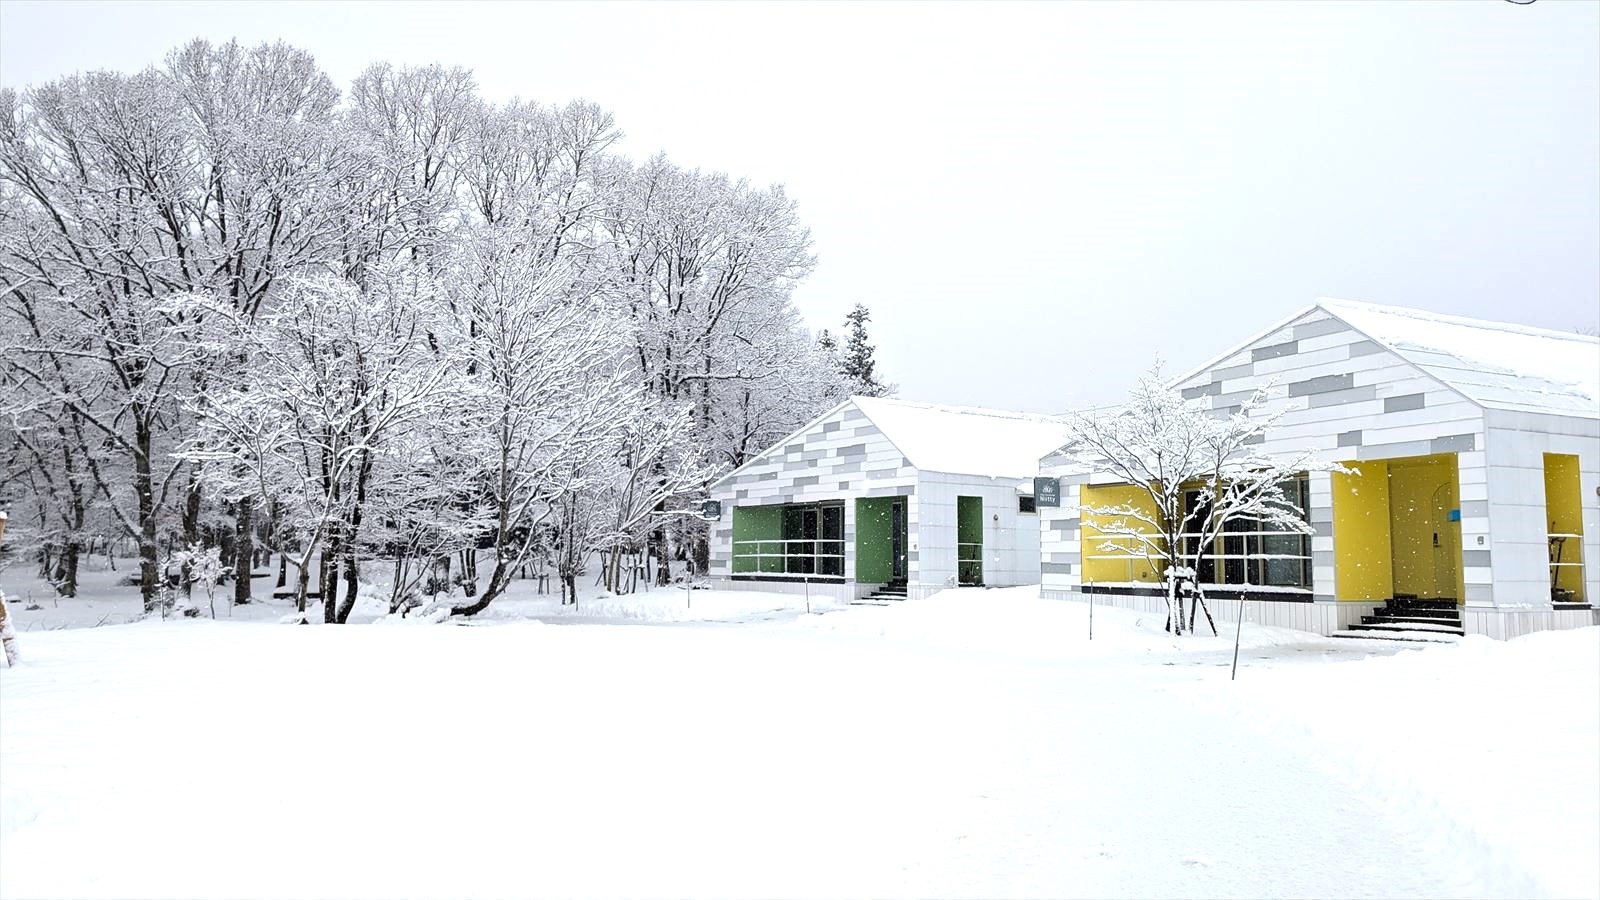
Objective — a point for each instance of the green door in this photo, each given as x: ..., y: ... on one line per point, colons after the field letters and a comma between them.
x: 969, y: 540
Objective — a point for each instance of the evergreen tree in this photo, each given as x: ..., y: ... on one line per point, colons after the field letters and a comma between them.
x: 858, y: 366
x: 828, y: 343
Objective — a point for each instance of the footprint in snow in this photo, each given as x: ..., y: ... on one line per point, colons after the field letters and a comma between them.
x: 1197, y: 861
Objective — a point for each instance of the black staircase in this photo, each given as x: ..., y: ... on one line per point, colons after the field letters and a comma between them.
x: 885, y: 595
x: 1410, y: 619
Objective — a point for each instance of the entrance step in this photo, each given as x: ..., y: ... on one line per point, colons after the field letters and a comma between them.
x: 1381, y: 618
x: 1420, y: 637
x: 1430, y: 627
x: 1413, y: 616
x: 1423, y: 622
x: 1448, y: 604
x: 1416, y: 612
x: 892, y: 592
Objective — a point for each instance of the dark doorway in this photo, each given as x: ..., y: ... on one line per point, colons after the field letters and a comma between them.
x: 897, y: 539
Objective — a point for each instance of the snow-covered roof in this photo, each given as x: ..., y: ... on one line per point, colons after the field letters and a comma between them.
x: 964, y: 440
x: 1494, y: 364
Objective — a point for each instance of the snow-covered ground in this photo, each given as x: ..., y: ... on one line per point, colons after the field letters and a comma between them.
x: 975, y: 743
x: 103, y: 599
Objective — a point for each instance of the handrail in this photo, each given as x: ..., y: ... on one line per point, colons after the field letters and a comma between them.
x: 779, y: 557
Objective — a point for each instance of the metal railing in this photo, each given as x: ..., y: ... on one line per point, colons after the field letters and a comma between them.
x: 1131, y: 553
x: 823, y: 558
x: 1561, y: 558
x: 969, y: 562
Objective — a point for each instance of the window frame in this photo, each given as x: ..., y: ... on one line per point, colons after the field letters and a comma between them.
x: 1243, y: 547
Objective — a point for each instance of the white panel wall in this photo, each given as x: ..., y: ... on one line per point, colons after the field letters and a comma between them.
x: 1344, y: 398
x: 1010, y: 538
x: 1515, y: 498
x: 841, y: 456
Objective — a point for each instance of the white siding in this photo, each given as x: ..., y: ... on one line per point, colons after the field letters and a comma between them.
x: 849, y: 458
x: 1344, y: 398
x: 839, y: 457
x: 1515, y: 500
x: 1010, y: 538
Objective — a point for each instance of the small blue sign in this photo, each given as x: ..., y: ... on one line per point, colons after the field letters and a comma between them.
x: 1455, y: 515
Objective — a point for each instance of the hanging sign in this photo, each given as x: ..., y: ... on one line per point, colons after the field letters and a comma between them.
x: 1046, y: 492
x: 711, y: 509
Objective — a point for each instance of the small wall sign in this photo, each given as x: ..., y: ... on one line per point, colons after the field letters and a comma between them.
x: 711, y: 509
x: 1046, y: 492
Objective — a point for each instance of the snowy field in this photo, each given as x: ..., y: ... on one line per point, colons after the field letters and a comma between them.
x: 103, y: 600
x: 975, y: 743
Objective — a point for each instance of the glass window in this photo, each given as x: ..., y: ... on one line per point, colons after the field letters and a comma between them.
x: 813, y: 540
x: 1249, y: 550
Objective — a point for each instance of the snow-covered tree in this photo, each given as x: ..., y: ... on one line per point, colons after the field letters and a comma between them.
x: 182, y: 249
x: 261, y: 124
x: 551, y: 381
x: 753, y: 414
x: 858, y: 365
x: 203, y: 566
x: 1169, y: 448
x: 94, y: 268
x: 705, y: 265
x: 127, y: 194
x: 331, y: 375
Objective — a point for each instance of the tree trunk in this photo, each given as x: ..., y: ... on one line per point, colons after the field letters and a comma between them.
x: 244, y: 551
x: 302, y: 586
x: 67, y: 585
x: 352, y: 569
x: 469, y: 572
x: 283, y: 569
x: 329, y: 580
x: 658, y: 537
x: 144, y: 490
x: 395, y: 590
x: 191, y: 527
x: 496, y: 586
x: 1174, y: 607
x: 352, y: 581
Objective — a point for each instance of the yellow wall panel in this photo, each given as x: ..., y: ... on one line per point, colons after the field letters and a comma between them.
x: 1362, y: 553
x: 1563, y: 513
x: 1100, y: 565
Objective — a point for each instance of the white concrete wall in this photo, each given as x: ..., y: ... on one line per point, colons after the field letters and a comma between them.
x: 1321, y: 617
x: 1517, y: 538
x: 822, y: 595
x: 1010, y: 538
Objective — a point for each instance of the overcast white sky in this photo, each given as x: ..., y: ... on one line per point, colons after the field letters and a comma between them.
x: 1035, y: 199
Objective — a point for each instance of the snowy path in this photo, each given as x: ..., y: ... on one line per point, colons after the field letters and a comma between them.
x: 243, y: 760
